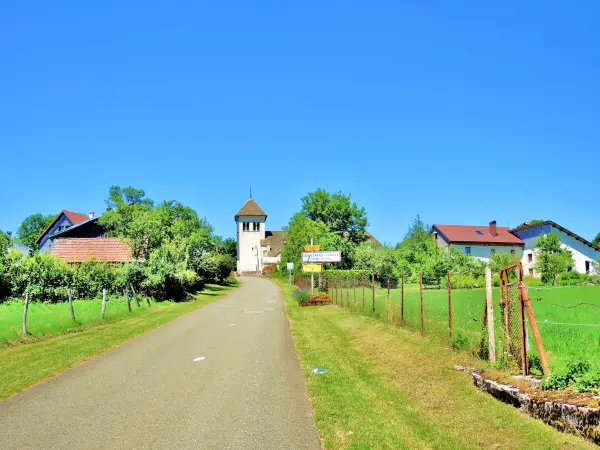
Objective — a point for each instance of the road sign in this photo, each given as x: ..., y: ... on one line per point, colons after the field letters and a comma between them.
x: 290, y: 266
x: 321, y: 257
x: 312, y: 268
x: 312, y: 248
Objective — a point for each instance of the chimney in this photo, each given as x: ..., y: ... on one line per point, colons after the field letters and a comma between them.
x: 91, y: 214
x: 493, y: 230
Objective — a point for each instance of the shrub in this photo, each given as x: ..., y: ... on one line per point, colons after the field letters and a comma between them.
x: 579, y: 375
x: 45, y: 278
x: 302, y: 297
x: 570, y: 278
x: 214, y: 267
x: 91, y: 277
x: 459, y: 341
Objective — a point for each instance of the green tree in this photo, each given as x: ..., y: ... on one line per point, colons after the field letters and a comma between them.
x: 299, y: 231
x: 338, y: 212
x: 596, y: 240
x: 552, y: 259
x: 31, y: 228
x: 500, y: 260
x: 227, y: 246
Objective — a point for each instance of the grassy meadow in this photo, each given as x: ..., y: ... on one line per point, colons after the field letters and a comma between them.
x: 388, y: 387
x: 568, y: 317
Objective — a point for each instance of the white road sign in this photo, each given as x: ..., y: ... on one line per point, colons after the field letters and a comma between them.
x: 321, y: 257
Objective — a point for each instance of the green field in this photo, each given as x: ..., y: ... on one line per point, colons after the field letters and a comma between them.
x: 45, y: 319
x: 568, y: 317
x: 390, y: 388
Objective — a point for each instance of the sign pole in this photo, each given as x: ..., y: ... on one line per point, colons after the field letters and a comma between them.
x: 312, y: 276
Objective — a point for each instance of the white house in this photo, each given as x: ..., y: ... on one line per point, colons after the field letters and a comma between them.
x: 479, y: 241
x: 255, y: 245
x: 584, y: 252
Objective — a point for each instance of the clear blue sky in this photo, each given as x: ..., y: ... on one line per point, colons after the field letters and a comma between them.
x: 462, y: 112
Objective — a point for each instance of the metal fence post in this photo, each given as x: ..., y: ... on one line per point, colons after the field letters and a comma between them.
x: 450, y: 304
x: 25, y: 311
x: 422, y: 312
x: 373, y: 289
x: 103, y: 311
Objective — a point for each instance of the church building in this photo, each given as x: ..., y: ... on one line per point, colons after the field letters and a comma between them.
x: 256, y: 247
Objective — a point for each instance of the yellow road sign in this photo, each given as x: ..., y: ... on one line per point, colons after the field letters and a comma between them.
x: 312, y: 267
x: 312, y: 248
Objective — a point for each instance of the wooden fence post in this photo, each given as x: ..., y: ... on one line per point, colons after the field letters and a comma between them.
x: 422, y: 312
x: 71, y: 307
x: 373, y: 289
x: 388, y: 304
x: 362, y: 278
x: 537, y: 337
x: 402, y: 302
x: 450, y: 304
x: 490, y: 314
x: 137, y: 299
x: 26, y: 309
x: 348, y: 292
x: 354, y: 282
x: 127, y: 298
x: 103, y: 311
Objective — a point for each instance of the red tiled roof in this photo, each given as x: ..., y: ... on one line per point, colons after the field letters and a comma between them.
x: 76, y: 250
x: 74, y: 217
x: 468, y: 234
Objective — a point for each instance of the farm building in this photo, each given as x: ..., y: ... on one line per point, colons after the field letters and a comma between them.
x: 478, y: 241
x: 64, y: 220
x: 584, y: 252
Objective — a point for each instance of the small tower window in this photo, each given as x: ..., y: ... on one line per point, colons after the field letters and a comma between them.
x: 256, y: 226
x: 245, y: 226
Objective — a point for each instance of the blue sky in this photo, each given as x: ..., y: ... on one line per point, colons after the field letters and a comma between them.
x: 462, y: 112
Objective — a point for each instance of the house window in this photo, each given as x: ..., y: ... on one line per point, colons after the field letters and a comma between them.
x: 493, y: 251
x: 245, y: 226
x: 530, y: 257
x: 479, y: 233
x: 256, y: 226
x: 587, y: 267
x: 61, y: 228
x: 512, y: 252
x: 467, y: 250
x: 531, y: 272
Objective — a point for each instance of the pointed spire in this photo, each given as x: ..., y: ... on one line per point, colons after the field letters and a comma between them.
x: 251, y: 191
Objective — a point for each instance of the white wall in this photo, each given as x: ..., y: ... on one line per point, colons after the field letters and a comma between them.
x: 581, y: 252
x: 250, y: 258
x: 484, y: 252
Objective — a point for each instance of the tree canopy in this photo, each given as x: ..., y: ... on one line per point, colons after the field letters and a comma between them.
x: 596, y: 240
x: 552, y: 259
x: 32, y: 227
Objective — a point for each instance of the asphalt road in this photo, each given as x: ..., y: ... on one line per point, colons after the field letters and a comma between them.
x: 248, y: 391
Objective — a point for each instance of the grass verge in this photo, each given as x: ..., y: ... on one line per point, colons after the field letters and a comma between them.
x: 23, y: 365
x: 391, y: 388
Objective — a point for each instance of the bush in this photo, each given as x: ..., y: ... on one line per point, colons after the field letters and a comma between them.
x: 579, y: 375
x: 91, y: 277
x: 459, y: 341
x: 467, y: 282
x: 44, y: 277
x: 302, y: 297
x: 570, y: 278
x: 214, y: 267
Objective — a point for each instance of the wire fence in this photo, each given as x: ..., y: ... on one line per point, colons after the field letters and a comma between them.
x: 568, y: 329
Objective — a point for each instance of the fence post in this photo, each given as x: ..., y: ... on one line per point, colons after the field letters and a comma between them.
x: 137, y: 300
x: 373, y: 289
x: 103, y: 311
x: 450, y: 304
x: 127, y: 298
x: 537, y: 337
x: 354, y: 283
x: 402, y: 302
x: 72, y: 309
x: 388, y: 304
x: 348, y: 292
x: 490, y: 314
x: 422, y: 312
x: 362, y: 279
x: 26, y: 309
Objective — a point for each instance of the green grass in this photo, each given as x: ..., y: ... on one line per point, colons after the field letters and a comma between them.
x: 563, y: 343
x: 22, y: 365
x: 391, y: 388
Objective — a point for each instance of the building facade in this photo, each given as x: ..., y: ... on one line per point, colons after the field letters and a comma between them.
x: 64, y: 220
x: 585, y: 254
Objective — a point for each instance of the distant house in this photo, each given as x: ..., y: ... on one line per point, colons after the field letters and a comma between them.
x: 370, y: 239
x: 64, y: 220
x: 18, y: 246
x: 101, y: 249
x: 271, y: 246
x: 584, y: 252
x: 479, y: 241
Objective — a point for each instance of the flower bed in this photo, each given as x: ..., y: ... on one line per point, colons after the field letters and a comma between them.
x: 316, y: 300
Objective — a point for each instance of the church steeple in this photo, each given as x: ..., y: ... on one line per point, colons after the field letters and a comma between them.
x: 250, y: 208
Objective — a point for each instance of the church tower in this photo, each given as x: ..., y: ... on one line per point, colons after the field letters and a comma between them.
x: 250, y: 224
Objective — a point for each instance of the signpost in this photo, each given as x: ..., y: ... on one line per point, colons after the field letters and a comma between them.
x: 321, y: 257
x: 312, y: 248
x: 312, y: 267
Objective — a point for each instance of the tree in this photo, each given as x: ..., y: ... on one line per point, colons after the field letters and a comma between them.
x: 118, y: 196
x: 338, y: 212
x: 596, y: 240
x: 552, y: 258
x: 299, y: 232
x: 32, y: 227
x: 500, y: 260
x: 227, y: 246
